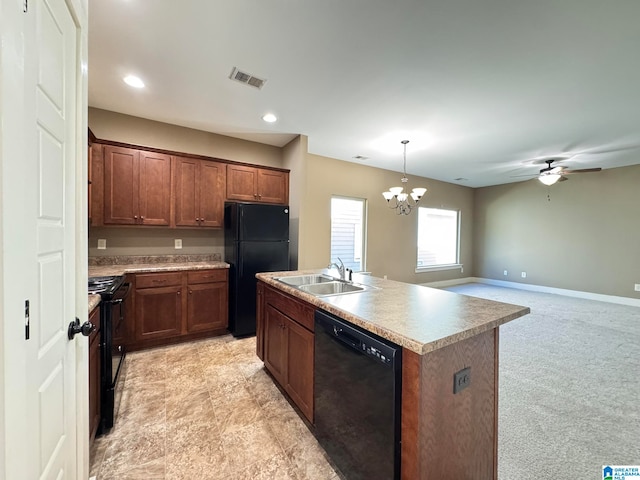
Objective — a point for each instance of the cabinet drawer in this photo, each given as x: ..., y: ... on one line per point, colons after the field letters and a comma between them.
x: 207, y: 276
x: 299, y: 311
x: 150, y: 280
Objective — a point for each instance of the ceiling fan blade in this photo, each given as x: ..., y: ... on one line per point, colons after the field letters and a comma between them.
x: 563, y: 179
x: 582, y: 170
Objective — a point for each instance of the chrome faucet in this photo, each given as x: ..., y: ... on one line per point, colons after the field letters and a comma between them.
x: 341, y: 269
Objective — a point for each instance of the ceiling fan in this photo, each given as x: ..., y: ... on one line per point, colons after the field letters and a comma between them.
x: 550, y: 174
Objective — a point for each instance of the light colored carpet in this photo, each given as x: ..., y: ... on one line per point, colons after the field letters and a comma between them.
x: 569, y: 385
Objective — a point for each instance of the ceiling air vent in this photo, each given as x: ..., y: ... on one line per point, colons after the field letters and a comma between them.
x: 246, y: 78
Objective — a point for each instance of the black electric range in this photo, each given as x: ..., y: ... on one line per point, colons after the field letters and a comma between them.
x: 113, y: 291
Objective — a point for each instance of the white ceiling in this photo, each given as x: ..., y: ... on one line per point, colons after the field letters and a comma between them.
x: 481, y: 88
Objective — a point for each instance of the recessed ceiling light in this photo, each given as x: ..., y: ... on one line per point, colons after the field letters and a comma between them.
x: 269, y: 118
x: 133, y: 81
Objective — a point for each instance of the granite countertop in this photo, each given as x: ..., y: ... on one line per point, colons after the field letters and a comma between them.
x: 121, y: 265
x: 418, y: 318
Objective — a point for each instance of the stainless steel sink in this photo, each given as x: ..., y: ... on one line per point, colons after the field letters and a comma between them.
x: 298, y: 280
x: 331, y: 288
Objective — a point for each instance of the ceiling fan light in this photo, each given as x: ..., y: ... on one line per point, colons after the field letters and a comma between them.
x: 387, y: 195
x: 549, y: 179
x: 402, y: 197
x: 396, y: 190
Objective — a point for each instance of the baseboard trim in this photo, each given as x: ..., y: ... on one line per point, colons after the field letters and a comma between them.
x: 450, y: 283
x: 633, y: 302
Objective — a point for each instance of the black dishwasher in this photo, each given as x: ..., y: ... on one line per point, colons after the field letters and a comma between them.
x: 357, y: 394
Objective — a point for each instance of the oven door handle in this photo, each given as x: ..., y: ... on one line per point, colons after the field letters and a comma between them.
x: 124, y: 296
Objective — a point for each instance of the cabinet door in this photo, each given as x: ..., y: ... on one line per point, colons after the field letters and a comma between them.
x: 187, y: 202
x: 158, y: 312
x: 207, y: 307
x: 121, y: 180
x: 154, y: 188
x: 212, y: 193
x: 299, y: 371
x: 273, y: 186
x: 275, y: 343
x: 94, y: 374
x: 242, y: 183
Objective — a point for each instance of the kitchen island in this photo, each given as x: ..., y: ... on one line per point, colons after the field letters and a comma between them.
x: 443, y: 434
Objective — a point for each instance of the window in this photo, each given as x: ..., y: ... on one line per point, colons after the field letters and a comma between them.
x: 347, y: 232
x: 438, y: 237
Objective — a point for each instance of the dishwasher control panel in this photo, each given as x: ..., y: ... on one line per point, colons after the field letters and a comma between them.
x: 375, y: 352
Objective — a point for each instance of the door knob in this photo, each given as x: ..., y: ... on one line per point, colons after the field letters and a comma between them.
x: 74, y: 328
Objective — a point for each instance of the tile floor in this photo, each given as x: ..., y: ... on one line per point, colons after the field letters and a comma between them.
x: 206, y: 410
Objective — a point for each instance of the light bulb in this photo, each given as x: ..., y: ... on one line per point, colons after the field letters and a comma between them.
x: 549, y: 179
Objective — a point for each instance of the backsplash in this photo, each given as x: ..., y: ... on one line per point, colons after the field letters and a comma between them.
x: 143, y: 241
x: 147, y: 259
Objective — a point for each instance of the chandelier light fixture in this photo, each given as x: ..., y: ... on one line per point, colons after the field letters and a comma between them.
x: 403, y: 202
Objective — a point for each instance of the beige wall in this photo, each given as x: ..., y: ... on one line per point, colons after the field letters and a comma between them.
x: 107, y: 125
x: 154, y: 241
x: 295, y: 159
x: 391, y: 247
x: 585, y: 237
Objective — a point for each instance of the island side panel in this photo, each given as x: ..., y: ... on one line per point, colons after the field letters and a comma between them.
x: 457, y: 433
x: 410, y: 418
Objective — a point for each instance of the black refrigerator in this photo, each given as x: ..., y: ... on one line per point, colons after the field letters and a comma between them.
x: 256, y: 239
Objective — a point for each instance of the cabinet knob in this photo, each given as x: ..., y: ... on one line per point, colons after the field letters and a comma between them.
x: 259, y: 196
x: 178, y: 293
x: 190, y: 292
x: 141, y: 217
x: 135, y: 217
x: 255, y: 195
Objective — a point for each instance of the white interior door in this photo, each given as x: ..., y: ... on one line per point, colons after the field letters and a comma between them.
x: 50, y: 83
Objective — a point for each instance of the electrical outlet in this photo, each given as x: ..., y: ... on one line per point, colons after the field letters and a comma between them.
x: 461, y: 269
x: 178, y: 243
x: 102, y: 244
x: 505, y: 273
x: 461, y: 379
x: 384, y: 277
x: 637, y: 287
x: 524, y: 274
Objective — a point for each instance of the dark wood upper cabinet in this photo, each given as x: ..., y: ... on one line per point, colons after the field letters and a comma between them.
x: 273, y: 186
x: 199, y: 192
x: 254, y: 184
x: 154, y: 188
x: 131, y: 185
x: 137, y: 187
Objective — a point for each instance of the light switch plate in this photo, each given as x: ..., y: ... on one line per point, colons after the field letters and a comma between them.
x: 102, y: 244
x: 178, y: 243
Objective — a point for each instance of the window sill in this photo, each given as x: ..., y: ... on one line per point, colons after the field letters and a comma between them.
x: 435, y: 268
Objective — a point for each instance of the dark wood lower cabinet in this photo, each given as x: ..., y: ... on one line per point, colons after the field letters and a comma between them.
x: 275, y: 343
x: 299, y: 377
x: 178, y: 306
x: 288, y: 345
x: 158, y: 312
x: 94, y: 374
